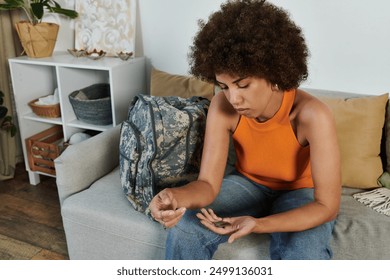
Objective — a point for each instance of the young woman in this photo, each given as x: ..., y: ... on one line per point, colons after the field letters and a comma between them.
x: 287, y: 179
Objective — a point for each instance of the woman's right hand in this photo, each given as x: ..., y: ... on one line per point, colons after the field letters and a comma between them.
x: 236, y: 227
x: 163, y: 208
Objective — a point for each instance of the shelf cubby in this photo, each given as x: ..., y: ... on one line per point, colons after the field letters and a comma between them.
x: 33, y: 78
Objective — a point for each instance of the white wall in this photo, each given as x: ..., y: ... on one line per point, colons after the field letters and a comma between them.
x: 349, y: 40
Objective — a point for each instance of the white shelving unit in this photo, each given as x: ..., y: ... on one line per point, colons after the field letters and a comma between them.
x: 33, y: 78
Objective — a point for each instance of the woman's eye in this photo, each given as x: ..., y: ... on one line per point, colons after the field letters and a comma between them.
x: 243, y: 86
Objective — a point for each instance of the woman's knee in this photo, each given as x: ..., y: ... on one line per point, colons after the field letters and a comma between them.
x: 188, y: 224
x: 189, y: 239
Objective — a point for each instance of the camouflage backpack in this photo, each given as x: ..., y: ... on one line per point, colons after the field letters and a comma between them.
x: 160, y: 145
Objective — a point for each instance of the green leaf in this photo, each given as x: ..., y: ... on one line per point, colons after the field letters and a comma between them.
x: 3, y: 112
x: 66, y: 12
x: 13, y: 131
x: 56, y: 4
x: 12, y: 4
x: 37, y: 9
x: 8, y: 119
x: 1, y: 97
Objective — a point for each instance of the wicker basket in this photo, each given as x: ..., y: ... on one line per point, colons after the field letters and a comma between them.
x: 95, y: 106
x: 46, y: 111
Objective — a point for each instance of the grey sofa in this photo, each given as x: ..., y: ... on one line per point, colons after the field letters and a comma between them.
x: 100, y: 223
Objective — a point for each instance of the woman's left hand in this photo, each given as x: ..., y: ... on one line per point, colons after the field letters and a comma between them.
x: 235, y: 226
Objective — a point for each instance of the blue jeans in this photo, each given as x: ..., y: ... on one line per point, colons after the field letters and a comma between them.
x: 239, y: 196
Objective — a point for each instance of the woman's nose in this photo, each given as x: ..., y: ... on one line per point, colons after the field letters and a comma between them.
x: 235, y: 98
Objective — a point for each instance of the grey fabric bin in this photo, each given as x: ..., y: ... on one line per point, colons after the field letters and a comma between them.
x: 92, y: 104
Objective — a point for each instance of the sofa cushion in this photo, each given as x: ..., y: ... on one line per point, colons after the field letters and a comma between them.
x: 359, y: 124
x: 360, y: 232
x: 105, y: 216
x: 165, y: 84
x: 101, y: 224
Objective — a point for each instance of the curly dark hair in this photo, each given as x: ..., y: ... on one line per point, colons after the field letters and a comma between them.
x: 250, y: 38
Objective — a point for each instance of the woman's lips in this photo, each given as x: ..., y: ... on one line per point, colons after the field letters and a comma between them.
x: 241, y: 109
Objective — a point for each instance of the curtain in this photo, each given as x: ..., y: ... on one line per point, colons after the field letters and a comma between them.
x: 9, y: 47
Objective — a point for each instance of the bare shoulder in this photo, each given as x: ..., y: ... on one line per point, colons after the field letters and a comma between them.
x: 313, y: 119
x: 220, y: 102
x: 222, y: 112
x: 310, y: 109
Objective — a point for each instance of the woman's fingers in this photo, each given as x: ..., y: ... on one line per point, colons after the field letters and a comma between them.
x: 225, y: 229
x: 163, y: 209
x: 208, y: 214
x: 215, y: 223
x: 213, y: 215
x: 237, y: 227
x: 171, y: 217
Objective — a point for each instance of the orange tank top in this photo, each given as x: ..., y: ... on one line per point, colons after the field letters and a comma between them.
x: 269, y: 153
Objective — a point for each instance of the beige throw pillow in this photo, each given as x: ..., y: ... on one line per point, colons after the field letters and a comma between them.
x: 165, y: 84
x: 359, y: 124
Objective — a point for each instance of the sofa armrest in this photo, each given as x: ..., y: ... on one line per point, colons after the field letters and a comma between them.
x: 82, y: 164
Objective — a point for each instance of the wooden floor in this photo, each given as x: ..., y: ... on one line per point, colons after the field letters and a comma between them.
x: 30, y: 219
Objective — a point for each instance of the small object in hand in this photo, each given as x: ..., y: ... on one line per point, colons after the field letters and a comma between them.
x: 221, y: 224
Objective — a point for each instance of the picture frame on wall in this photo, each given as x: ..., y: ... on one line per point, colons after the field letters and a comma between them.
x: 106, y: 25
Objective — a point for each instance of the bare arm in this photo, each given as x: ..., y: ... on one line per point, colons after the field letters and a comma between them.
x: 317, y: 128
x: 203, y: 191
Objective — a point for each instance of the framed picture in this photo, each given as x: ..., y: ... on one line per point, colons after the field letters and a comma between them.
x: 107, y: 25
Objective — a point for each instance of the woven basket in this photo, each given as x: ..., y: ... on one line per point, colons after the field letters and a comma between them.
x: 96, y: 108
x: 46, y: 111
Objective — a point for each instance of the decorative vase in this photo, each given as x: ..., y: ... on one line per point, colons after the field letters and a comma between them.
x: 38, y: 40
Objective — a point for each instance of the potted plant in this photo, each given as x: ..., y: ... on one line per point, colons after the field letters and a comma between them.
x: 38, y: 38
x: 6, y: 121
